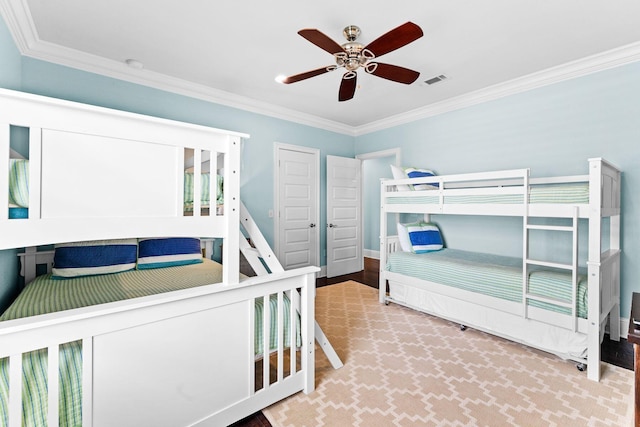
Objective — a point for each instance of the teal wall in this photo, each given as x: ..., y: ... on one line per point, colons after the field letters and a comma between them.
x: 553, y: 130
x: 372, y: 171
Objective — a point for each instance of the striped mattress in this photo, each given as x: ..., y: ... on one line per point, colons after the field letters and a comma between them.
x: 491, y: 275
x: 570, y: 193
x: 47, y: 295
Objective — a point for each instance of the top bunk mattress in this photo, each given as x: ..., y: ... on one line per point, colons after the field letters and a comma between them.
x: 47, y: 295
x: 565, y: 193
x: 491, y: 275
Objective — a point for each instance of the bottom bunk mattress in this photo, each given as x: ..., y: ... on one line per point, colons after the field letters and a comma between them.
x: 491, y: 275
x: 47, y: 295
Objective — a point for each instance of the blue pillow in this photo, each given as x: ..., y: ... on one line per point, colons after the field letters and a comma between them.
x: 425, y: 238
x: 168, y: 252
x: 421, y: 173
x: 94, y: 257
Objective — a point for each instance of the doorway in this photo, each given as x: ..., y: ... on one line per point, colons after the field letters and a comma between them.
x: 375, y: 165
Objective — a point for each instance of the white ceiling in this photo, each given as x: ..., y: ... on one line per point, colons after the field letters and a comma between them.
x: 230, y: 52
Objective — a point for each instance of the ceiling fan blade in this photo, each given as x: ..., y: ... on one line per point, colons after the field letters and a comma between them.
x: 395, y: 39
x: 308, y: 74
x: 321, y: 40
x: 392, y: 72
x: 347, y: 86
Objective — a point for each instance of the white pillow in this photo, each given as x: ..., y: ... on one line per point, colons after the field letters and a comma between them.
x: 398, y: 173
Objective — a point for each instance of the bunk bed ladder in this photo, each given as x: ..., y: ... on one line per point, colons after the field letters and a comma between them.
x: 573, y: 267
x: 263, y: 260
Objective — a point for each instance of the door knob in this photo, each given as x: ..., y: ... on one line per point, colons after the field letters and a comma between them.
x: 312, y: 225
x: 332, y: 225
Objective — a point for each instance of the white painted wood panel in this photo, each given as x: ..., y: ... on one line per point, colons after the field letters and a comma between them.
x: 199, y: 362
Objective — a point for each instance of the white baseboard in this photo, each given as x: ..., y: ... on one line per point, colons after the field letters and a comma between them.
x: 368, y: 253
x: 322, y: 272
x: 624, y: 327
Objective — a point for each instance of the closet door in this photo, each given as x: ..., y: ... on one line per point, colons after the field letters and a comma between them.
x: 344, y: 216
x: 297, y: 199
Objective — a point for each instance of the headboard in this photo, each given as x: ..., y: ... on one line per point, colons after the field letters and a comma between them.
x: 97, y: 173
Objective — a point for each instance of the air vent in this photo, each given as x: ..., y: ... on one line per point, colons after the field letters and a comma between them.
x: 436, y: 79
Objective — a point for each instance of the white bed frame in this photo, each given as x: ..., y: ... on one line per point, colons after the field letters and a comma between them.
x: 512, y: 320
x: 152, y: 360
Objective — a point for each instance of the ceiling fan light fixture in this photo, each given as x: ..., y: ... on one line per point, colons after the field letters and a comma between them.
x: 353, y: 55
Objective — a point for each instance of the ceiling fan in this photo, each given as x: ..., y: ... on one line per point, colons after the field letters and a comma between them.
x: 353, y: 55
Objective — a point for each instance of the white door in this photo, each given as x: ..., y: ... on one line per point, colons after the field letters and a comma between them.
x: 297, y: 220
x: 344, y: 216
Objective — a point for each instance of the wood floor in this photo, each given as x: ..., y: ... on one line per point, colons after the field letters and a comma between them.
x: 616, y: 353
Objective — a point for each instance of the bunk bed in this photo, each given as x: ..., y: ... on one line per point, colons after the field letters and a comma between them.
x: 558, y: 307
x: 203, y: 353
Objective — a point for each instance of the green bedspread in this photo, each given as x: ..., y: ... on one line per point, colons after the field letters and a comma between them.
x: 492, y: 275
x: 46, y: 295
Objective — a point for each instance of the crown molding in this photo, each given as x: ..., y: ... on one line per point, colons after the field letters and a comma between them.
x: 22, y: 28
x: 578, y: 68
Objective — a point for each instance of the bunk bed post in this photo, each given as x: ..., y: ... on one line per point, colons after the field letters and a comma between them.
x: 614, y: 245
x: 231, y: 258
x: 593, y: 268
x: 307, y: 303
x: 382, y: 281
x: 4, y: 169
x: 525, y: 242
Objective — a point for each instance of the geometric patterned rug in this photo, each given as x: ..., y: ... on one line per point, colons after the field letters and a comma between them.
x: 406, y: 368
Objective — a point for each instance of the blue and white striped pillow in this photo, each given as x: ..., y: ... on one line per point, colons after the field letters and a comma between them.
x: 421, y: 173
x: 424, y: 238
x: 168, y: 252
x: 94, y: 257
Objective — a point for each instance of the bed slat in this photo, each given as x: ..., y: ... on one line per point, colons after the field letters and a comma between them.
x: 35, y: 167
x: 15, y: 390
x: 280, y: 338
x: 266, y: 334
x: 53, y: 389
x: 5, y: 135
x: 87, y: 381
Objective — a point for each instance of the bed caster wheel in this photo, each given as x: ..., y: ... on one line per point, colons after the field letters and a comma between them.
x: 463, y: 328
x: 581, y: 367
x: 386, y: 303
